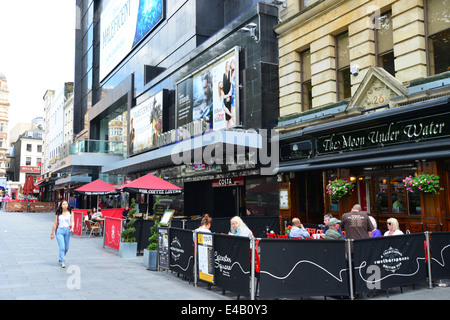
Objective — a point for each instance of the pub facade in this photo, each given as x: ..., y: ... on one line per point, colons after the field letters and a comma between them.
x: 364, y: 98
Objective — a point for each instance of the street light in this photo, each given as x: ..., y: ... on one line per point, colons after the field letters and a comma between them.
x: 252, y: 29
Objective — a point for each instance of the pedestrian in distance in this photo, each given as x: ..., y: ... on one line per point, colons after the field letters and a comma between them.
x: 63, y: 226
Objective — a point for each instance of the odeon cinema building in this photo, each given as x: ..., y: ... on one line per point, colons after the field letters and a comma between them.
x: 184, y: 89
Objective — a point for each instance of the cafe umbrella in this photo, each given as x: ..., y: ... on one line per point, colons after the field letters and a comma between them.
x: 97, y: 188
x: 28, y: 186
x: 151, y: 185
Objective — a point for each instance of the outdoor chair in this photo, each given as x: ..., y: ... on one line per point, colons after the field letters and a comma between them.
x: 91, y: 227
x: 271, y: 235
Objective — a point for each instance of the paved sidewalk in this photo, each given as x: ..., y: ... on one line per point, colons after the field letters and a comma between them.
x: 29, y: 270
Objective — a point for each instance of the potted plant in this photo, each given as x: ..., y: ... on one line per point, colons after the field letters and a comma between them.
x: 424, y: 182
x: 339, y: 188
x: 151, y: 252
x: 128, y: 244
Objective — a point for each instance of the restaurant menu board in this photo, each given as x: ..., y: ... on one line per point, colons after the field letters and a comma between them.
x: 163, y: 247
x: 168, y: 214
x: 205, y: 257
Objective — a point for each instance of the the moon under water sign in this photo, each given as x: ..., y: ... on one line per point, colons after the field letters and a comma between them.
x: 391, y: 260
x: 175, y: 249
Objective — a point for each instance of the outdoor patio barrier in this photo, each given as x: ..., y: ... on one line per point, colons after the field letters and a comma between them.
x: 111, y: 233
x: 299, y: 268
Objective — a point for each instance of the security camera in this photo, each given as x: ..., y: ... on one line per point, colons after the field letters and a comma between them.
x: 354, y: 70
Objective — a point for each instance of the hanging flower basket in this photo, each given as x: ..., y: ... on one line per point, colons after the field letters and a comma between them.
x: 424, y: 182
x: 339, y: 188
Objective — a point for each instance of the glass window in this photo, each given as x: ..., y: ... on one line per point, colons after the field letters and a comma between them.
x: 381, y: 193
x: 343, y: 67
x: 397, y: 194
x: 306, y: 80
x: 438, y: 27
x: 29, y: 148
x: 28, y: 161
x: 385, y: 43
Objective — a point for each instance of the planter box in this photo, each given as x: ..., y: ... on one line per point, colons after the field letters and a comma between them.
x: 151, y: 259
x: 128, y: 250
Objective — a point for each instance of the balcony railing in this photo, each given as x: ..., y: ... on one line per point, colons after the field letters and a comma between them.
x: 96, y: 146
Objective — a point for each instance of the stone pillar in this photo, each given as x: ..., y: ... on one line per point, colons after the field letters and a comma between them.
x: 290, y: 86
x: 409, y: 40
x: 362, y: 48
x: 323, y: 71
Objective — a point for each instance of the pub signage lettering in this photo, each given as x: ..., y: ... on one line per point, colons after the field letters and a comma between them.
x: 396, y: 132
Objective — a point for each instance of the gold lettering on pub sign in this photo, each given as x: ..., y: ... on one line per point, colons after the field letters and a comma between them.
x: 393, y: 133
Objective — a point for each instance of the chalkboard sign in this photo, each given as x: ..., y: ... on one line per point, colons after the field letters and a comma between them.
x: 163, y: 247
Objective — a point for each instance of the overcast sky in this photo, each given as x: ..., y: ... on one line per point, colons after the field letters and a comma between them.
x: 37, y: 50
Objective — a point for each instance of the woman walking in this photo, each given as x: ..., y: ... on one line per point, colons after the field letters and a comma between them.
x: 63, y: 226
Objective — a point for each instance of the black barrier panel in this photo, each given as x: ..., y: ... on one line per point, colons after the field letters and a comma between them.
x: 388, y: 262
x: 143, y: 232
x: 232, y: 262
x: 300, y: 268
x: 181, y: 248
x: 440, y: 253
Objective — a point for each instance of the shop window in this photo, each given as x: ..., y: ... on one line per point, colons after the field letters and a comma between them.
x: 438, y: 33
x: 381, y: 194
x: 390, y: 196
x: 306, y: 80
x: 344, y: 88
x: 384, y: 43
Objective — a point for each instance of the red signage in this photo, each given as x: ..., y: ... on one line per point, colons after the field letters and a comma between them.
x: 30, y: 169
x: 228, y: 182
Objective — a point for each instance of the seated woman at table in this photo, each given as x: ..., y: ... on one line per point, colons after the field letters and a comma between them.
x: 394, y: 229
x: 205, y: 225
x: 298, y: 230
x: 239, y: 228
x: 88, y: 216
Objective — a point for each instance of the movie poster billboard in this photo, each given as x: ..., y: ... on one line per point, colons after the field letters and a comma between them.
x: 123, y: 24
x: 146, y: 124
x: 215, y: 94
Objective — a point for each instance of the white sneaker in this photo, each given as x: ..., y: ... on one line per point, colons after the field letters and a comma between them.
x: 63, y: 265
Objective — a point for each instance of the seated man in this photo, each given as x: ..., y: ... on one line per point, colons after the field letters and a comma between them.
x: 298, y: 231
x: 333, y: 230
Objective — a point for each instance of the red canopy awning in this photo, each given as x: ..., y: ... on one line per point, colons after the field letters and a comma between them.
x: 97, y: 187
x: 150, y: 184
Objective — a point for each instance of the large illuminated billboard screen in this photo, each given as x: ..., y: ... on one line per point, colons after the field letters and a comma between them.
x: 123, y: 24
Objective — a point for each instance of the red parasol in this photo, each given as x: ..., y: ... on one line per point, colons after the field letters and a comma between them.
x: 28, y: 187
x: 150, y: 184
x: 97, y: 187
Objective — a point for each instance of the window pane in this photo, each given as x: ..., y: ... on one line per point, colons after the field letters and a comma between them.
x: 306, y: 65
x: 397, y: 194
x: 386, y: 61
x: 342, y: 51
x: 345, y: 86
x: 307, y: 96
x: 385, y: 40
x: 414, y: 203
x: 440, y: 52
x: 381, y: 193
x: 438, y: 12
